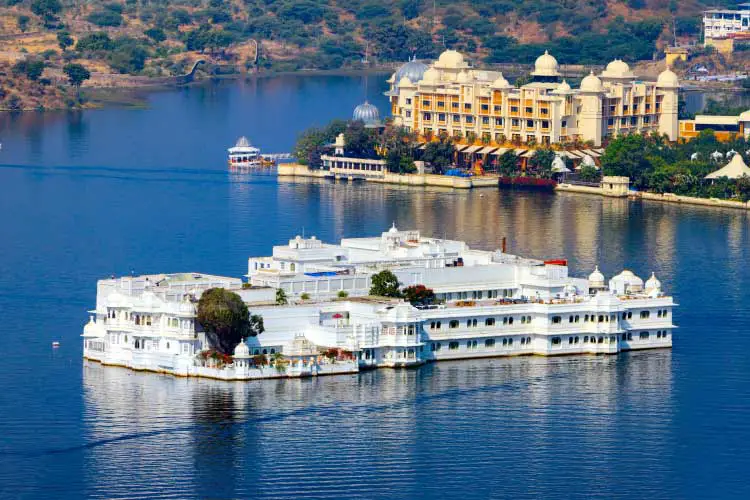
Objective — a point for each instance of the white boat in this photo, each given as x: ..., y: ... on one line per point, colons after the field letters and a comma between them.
x: 243, y: 156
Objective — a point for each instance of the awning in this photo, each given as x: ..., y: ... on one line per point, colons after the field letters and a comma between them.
x: 591, y: 152
x: 529, y: 154
x: 486, y: 150
x: 471, y: 149
x: 520, y: 151
x: 423, y: 146
x: 499, y: 152
x: 574, y: 155
x: 461, y: 147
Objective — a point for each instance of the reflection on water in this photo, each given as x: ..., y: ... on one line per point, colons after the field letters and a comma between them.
x: 408, y: 433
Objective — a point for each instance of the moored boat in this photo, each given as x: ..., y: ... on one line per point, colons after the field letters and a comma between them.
x: 244, y: 156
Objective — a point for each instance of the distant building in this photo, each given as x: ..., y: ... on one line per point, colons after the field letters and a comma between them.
x: 724, y: 127
x: 450, y: 97
x: 721, y: 27
x: 673, y: 54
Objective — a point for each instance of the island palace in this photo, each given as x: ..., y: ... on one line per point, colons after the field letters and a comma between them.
x: 450, y: 97
x: 491, y: 303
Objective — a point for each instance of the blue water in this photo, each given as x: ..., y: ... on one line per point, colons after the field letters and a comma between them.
x: 86, y: 195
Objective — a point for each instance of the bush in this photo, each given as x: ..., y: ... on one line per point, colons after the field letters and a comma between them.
x: 32, y: 69
x: 94, y: 42
x: 105, y: 18
x: 155, y: 34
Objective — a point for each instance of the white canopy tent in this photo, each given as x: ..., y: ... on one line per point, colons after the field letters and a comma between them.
x: 735, y: 169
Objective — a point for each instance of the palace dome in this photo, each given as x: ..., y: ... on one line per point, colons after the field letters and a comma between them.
x: 563, y: 88
x: 451, y: 59
x: 653, y: 284
x: 591, y: 83
x: 668, y: 78
x: 413, y: 70
x: 745, y: 116
x: 596, y: 279
x: 367, y: 113
x: 545, y: 65
x: 501, y: 83
x: 430, y: 76
x: 618, y: 69
x: 626, y: 282
x: 241, y: 351
x: 94, y: 329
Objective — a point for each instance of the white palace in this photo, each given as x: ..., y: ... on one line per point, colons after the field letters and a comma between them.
x: 451, y: 97
x: 491, y: 303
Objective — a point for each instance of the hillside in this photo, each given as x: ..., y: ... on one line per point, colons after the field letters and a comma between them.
x: 162, y: 38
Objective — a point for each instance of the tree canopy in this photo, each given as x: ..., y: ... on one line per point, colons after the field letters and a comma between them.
x: 419, y: 295
x: 385, y: 284
x: 76, y: 73
x: 226, y: 320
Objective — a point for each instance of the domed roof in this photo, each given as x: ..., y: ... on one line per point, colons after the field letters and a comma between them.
x: 501, y: 83
x: 652, y: 283
x: 462, y: 77
x: 367, y: 113
x: 626, y: 282
x: 591, y: 83
x: 241, y: 351
x: 430, y: 76
x: 618, y: 69
x: 745, y: 116
x: 451, y: 59
x: 406, y: 82
x: 545, y: 65
x: 563, y: 88
x: 596, y: 279
x: 668, y: 78
x: 392, y: 78
x: 94, y: 329
x: 393, y: 229
x: 413, y: 70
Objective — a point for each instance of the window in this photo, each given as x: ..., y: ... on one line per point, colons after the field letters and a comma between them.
x: 529, y: 123
x: 645, y: 314
x: 456, y: 118
x: 510, y: 320
x: 570, y: 319
x: 586, y: 318
x: 453, y: 323
x: 427, y: 116
x: 555, y: 340
x: 586, y: 339
x: 485, y: 107
x: 564, y: 123
x: 570, y: 340
x: 505, y: 320
x: 600, y: 340
x: 514, y: 109
x: 556, y: 319
x: 545, y: 124
x: 469, y: 119
x: 601, y: 318
x: 643, y: 336
x: 510, y: 342
x: 408, y: 101
x: 426, y: 104
x: 467, y: 107
x: 489, y: 322
x: 471, y: 344
x: 529, y: 110
x: 489, y: 343
x: 499, y: 122
x: 441, y: 117
x: 441, y: 104
x: 453, y: 346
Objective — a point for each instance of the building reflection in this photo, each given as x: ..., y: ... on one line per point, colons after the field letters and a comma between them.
x: 384, y: 429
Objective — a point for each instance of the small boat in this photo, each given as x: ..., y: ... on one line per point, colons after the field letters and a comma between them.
x: 55, y: 344
x: 244, y: 156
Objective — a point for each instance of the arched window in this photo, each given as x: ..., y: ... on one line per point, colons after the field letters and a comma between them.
x: 556, y: 319
x: 265, y: 351
x: 453, y: 323
x: 489, y: 322
x: 292, y: 267
x: 273, y: 351
x: 555, y: 340
x: 489, y: 343
x: 645, y: 314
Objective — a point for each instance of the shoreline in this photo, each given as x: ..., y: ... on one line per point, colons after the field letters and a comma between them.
x: 294, y: 170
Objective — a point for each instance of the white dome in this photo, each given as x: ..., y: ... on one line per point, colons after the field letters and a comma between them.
x: 652, y: 283
x: 626, y: 282
x: 430, y: 76
x: 618, y: 69
x: 451, y: 59
x: 545, y: 65
x: 668, y: 78
x: 392, y: 78
x: 596, y: 279
x: 463, y: 77
x: 93, y: 329
x: 745, y: 116
x: 571, y: 289
x: 393, y: 229
x: 562, y: 88
x: 241, y: 351
x: 591, y: 83
x: 501, y: 83
x: 413, y: 70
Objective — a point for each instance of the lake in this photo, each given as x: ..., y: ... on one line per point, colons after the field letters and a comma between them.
x: 113, y: 191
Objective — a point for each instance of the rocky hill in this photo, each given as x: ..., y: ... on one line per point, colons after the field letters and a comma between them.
x: 162, y: 38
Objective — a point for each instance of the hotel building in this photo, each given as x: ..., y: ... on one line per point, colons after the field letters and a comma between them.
x: 450, y: 97
x: 721, y: 27
x: 491, y: 303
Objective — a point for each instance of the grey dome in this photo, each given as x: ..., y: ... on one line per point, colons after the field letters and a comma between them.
x: 413, y: 70
x: 367, y: 113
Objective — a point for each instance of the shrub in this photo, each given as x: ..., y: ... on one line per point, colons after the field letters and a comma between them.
x: 105, y: 18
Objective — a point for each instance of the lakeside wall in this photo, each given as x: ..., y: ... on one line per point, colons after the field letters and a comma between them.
x: 297, y: 170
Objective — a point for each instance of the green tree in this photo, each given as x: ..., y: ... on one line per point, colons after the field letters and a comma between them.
x: 360, y: 141
x: 281, y: 298
x: 155, y: 34
x: 628, y: 156
x: 46, y: 8
x: 589, y: 174
x: 76, y: 73
x: 225, y: 319
x: 342, y: 294
x: 23, y: 22
x: 64, y: 40
x: 31, y: 68
x: 541, y: 163
x: 439, y: 154
x: 385, y: 284
x: 507, y: 164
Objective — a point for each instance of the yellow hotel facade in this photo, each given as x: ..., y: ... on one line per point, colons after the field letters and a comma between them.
x: 450, y: 97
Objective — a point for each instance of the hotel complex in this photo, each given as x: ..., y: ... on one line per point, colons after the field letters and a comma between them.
x: 490, y: 303
x: 721, y: 27
x: 450, y: 97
